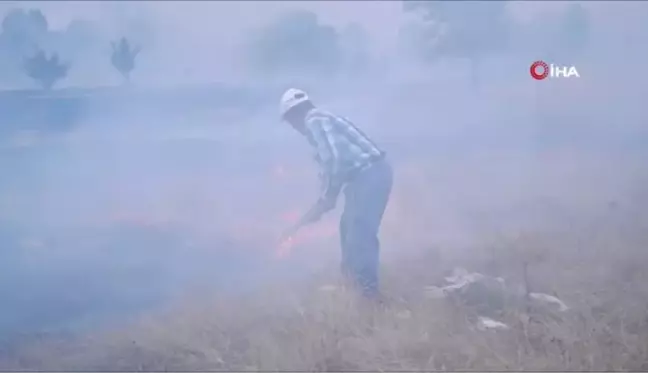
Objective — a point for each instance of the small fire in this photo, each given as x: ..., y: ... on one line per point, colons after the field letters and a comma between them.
x: 306, y: 235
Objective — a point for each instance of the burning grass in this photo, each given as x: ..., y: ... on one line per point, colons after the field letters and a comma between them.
x: 321, y: 325
x: 597, y: 266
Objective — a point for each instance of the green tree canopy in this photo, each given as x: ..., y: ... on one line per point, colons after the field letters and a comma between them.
x: 123, y: 57
x: 296, y: 42
x: 22, y: 31
x: 46, y: 71
x: 551, y: 36
x: 457, y: 29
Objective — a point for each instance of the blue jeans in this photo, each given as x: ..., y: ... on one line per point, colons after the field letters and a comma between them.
x: 365, y: 200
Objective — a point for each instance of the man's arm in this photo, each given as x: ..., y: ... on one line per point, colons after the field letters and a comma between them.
x: 321, y: 132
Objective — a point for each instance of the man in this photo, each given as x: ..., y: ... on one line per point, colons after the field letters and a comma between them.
x: 349, y: 160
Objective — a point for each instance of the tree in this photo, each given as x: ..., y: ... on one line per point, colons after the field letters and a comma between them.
x: 296, y: 42
x: 22, y: 31
x: 558, y: 37
x: 460, y: 29
x: 44, y: 70
x: 21, y: 23
x: 123, y: 57
x: 573, y: 30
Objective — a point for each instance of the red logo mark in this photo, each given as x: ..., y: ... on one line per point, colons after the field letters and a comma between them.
x: 539, y: 70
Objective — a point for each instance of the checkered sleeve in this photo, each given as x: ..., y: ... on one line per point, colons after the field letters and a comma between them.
x: 322, y: 133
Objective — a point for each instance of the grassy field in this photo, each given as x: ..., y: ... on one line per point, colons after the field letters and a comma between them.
x: 566, y: 218
x: 592, y: 255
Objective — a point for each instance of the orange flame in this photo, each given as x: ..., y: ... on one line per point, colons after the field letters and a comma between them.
x: 305, y: 236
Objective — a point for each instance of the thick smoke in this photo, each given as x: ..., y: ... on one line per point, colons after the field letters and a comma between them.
x: 118, y: 195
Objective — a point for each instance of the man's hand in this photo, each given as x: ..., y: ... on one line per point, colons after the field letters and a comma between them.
x: 287, y: 235
x: 322, y: 206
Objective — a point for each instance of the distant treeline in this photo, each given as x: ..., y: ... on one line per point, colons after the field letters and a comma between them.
x: 61, y: 110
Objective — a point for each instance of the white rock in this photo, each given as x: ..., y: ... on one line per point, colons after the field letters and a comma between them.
x: 488, y: 323
x: 461, y: 277
x: 549, y: 299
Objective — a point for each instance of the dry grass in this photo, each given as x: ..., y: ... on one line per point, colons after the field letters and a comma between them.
x: 596, y: 265
x: 314, y: 327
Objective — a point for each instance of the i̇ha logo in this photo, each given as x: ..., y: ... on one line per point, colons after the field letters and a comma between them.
x: 541, y: 70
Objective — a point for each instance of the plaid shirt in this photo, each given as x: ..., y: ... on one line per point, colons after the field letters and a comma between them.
x: 341, y: 149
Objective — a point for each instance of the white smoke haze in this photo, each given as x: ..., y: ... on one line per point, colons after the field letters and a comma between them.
x: 119, y: 198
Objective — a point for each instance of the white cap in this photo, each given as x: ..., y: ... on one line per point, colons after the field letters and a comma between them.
x: 292, y: 98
